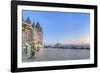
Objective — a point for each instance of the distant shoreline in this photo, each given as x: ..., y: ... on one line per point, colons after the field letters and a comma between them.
x: 67, y: 48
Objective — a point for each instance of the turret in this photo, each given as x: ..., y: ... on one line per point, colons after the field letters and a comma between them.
x: 33, y: 24
x: 28, y: 20
x: 38, y: 27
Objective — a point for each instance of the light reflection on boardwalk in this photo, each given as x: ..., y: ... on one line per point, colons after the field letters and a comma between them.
x: 52, y: 54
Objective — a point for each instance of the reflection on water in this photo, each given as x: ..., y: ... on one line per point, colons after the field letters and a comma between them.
x: 53, y: 54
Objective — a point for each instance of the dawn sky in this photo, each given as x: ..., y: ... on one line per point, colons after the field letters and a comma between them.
x: 62, y: 27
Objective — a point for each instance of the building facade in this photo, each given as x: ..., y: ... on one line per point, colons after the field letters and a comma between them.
x: 32, y: 34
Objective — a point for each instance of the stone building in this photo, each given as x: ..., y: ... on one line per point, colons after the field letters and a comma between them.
x: 32, y: 34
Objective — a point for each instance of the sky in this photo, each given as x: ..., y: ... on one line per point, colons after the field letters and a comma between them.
x: 61, y: 27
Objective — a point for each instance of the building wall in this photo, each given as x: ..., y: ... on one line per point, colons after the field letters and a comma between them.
x: 32, y: 35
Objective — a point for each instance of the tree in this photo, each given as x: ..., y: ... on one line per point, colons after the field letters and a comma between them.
x: 23, y: 26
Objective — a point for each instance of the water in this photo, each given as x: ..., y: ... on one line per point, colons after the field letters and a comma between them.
x: 53, y: 54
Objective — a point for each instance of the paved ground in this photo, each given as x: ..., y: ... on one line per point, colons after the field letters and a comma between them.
x: 52, y: 54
